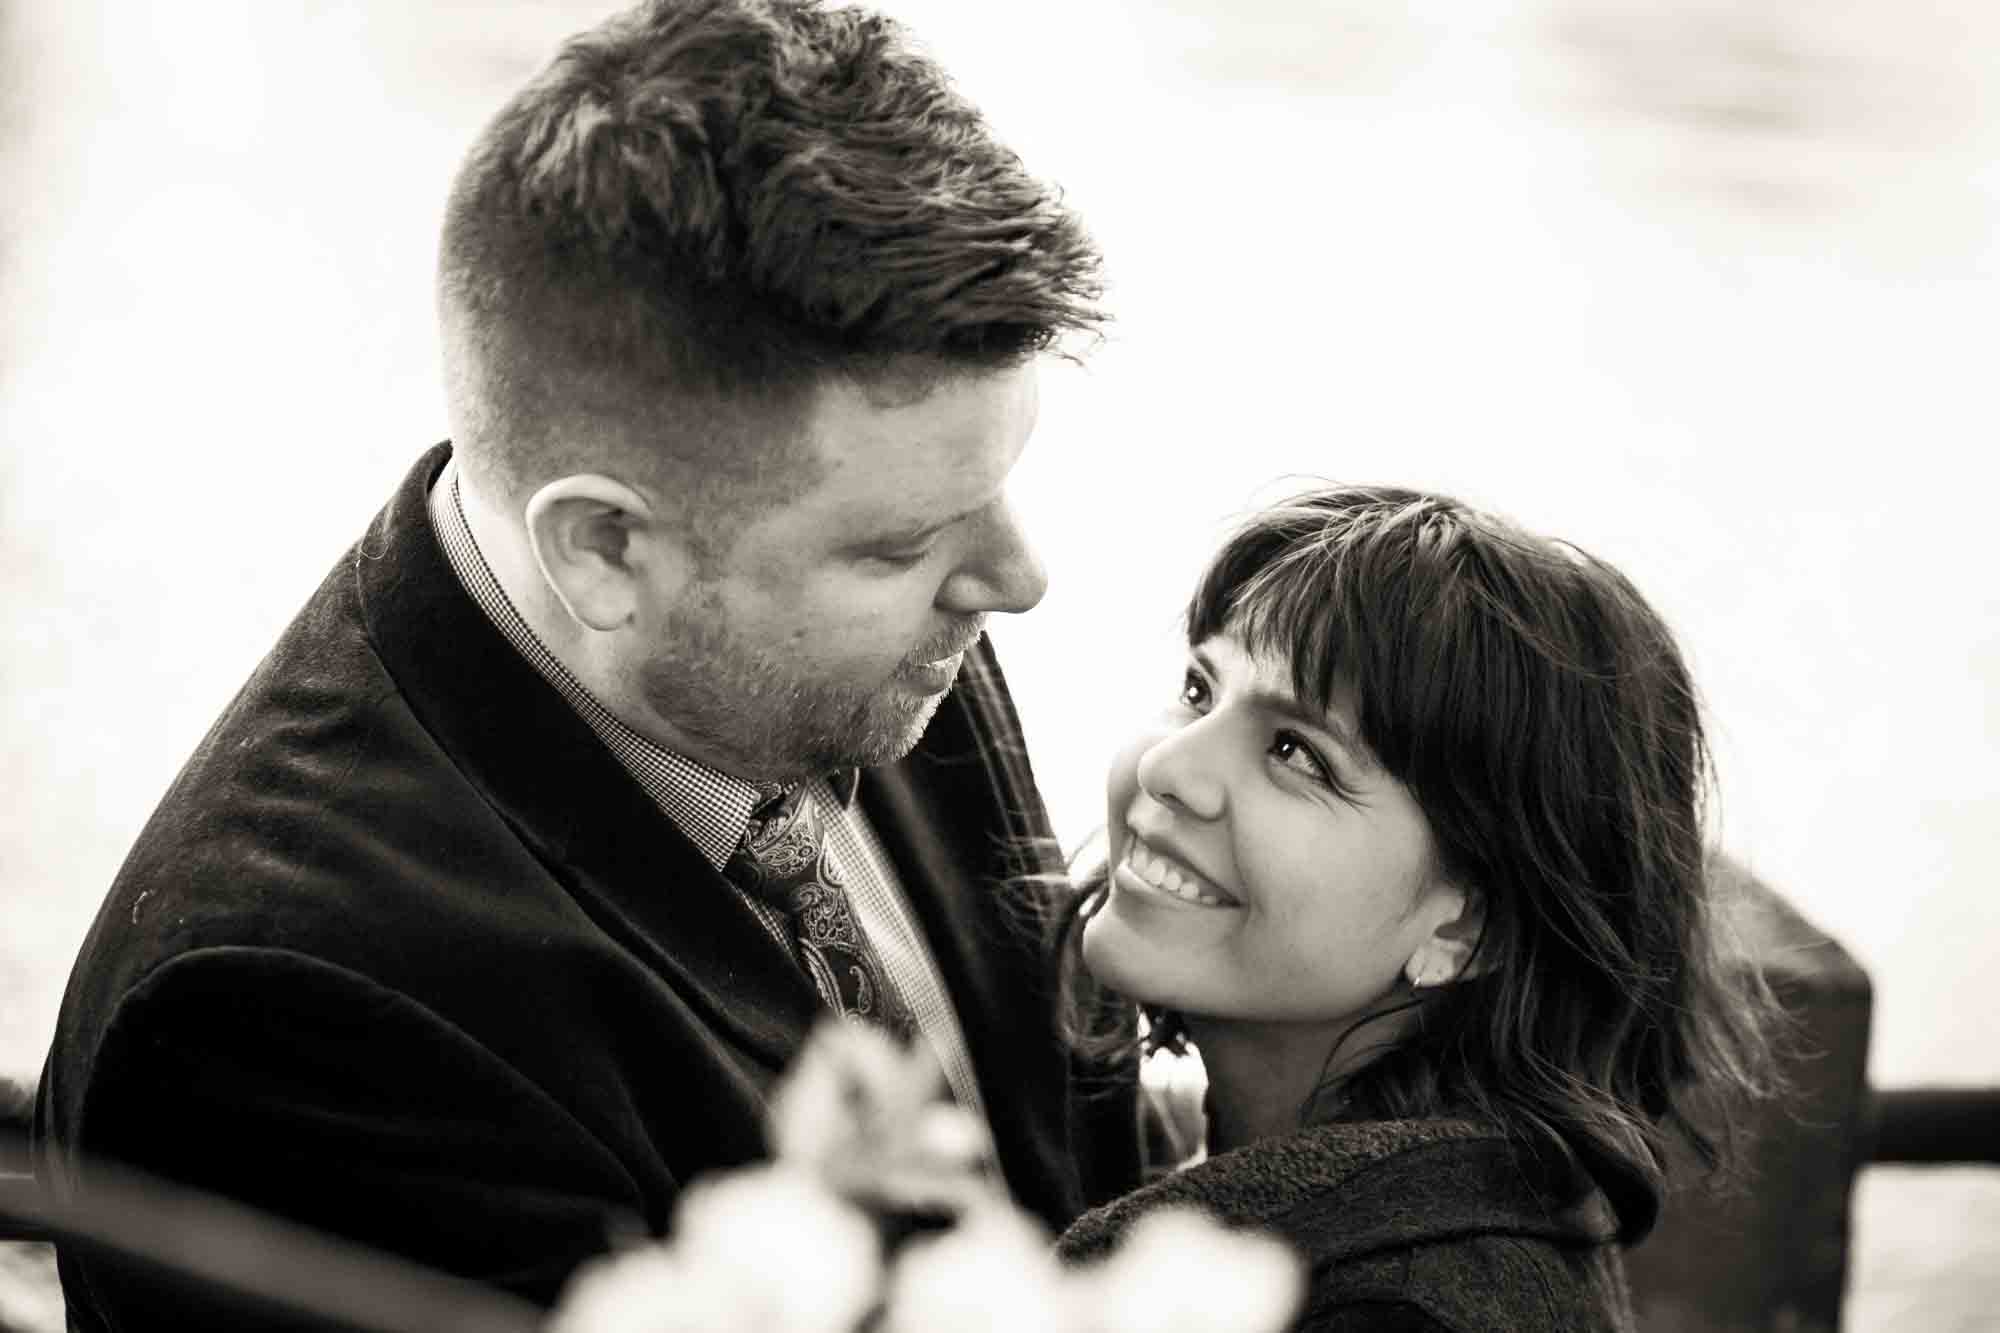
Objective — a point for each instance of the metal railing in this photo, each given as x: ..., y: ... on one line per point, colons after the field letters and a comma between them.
x: 256, y: 1260
x: 1933, y: 1126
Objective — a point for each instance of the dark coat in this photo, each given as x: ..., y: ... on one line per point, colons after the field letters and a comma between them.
x: 1425, y: 1226
x: 407, y: 955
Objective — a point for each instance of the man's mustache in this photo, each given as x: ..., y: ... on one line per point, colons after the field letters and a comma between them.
x: 958, y: 641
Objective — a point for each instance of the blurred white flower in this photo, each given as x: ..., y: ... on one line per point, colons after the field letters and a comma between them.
x: 860, y: 1135
x: 844, y: 1084
x: 758, y: 1250
x: 631, y: 1292
x: 992, y: 1273
x: 1179, y: 1271
x: 779, y: 1250
x: 866, y: 1115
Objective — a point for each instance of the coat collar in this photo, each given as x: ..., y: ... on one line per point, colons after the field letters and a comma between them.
x: 1340, y: 1191
x: 568, y: 798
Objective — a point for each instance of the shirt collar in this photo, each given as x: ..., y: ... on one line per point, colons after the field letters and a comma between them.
x: 653, y: 761
x: 709, y: 806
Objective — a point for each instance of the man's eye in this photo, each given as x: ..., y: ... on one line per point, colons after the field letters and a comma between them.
x: 904, y: 559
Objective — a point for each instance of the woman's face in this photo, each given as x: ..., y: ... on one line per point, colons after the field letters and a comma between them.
x: 1264, y: 867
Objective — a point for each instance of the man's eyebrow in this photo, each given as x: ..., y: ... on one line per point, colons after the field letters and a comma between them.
x: 905, y: 536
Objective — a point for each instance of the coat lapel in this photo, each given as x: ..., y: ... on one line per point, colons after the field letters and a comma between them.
x: 934, y: 813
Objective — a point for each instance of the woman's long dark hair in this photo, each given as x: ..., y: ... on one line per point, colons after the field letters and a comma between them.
x: 1541, y: 715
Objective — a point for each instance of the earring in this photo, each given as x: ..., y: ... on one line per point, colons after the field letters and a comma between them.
x: 1423, y: 973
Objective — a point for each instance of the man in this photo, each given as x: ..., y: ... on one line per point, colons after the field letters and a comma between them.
x: 454, y: 934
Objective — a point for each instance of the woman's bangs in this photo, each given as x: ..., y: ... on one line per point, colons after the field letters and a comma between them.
x: 1301, y: 610
x: 1308, y: 587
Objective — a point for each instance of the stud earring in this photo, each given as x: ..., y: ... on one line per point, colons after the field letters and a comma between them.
x: 1428, y: 974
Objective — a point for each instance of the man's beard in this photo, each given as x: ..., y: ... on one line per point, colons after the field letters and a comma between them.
x: 760, y: 720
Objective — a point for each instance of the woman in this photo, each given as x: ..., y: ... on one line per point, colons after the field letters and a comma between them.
x: 1415, y: 860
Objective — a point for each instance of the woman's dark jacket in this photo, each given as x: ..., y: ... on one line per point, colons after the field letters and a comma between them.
x: 1426, y: 1225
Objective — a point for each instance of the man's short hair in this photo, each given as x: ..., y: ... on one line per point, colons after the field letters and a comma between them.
x: 709, y: 207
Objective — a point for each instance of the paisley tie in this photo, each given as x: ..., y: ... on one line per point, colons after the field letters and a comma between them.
x: 783, y: 861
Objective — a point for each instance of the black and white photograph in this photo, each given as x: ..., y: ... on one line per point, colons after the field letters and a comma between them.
x: 874, y: 666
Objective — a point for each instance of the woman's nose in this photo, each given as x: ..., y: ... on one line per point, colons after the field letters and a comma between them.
x: 1182, y: 769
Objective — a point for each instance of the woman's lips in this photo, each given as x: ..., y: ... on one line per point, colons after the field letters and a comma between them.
x: 1147, y: 867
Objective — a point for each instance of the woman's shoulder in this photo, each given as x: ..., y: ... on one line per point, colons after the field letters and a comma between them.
x: 1371, y: 1316
x: 1438, y: 1224
x: 1479, y: 1283
x: 1268, y: 1183
x: 1468, y: 1226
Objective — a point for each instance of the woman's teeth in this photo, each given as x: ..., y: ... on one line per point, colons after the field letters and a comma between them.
x: 1165, y: 876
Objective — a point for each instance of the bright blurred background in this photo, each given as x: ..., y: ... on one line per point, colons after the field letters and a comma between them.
x: 1705, y: 286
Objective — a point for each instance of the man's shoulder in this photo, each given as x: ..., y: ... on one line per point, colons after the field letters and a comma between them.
x: 316, y: 810
x: 319, y: 746
x: 321, y: 813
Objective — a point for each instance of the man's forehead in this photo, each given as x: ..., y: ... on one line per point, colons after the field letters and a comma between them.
x: 846, y: 413
x: 900, y: 465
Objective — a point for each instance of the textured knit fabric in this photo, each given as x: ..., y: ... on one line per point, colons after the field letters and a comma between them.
x: 1427, y: 1225
x: 406, y: 955
x: 712, y: 808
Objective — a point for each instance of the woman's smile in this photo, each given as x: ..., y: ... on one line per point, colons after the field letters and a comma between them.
x: 1148, y: 870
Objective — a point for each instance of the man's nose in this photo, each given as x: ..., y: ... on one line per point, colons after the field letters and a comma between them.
x: 1002, y: 571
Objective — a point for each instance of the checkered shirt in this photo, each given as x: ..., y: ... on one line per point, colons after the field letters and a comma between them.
x: 712, y: 809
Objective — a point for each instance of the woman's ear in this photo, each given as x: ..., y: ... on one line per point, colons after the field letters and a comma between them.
x: 1450, y: 951
x: 597, y: 548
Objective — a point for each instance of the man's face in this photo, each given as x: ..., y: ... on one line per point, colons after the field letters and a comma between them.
x: 828, y: 633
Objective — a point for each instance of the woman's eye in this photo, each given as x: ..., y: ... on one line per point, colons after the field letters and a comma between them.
x: 1194, y: 690
x: 1291, y: 750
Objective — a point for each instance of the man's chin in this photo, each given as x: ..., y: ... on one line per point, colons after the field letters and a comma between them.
x: 826, y: 736
x: 881, y: 733
x: 891, y: 730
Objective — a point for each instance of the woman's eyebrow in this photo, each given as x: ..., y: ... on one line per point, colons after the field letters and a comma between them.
x: 1283, y: 704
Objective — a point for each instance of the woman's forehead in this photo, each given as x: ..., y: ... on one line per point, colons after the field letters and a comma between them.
x: 1269, y: 649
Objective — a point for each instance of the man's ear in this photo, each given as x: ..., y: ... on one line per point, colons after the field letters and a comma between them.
x: 1448, y: 953
x: 598, y: 548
